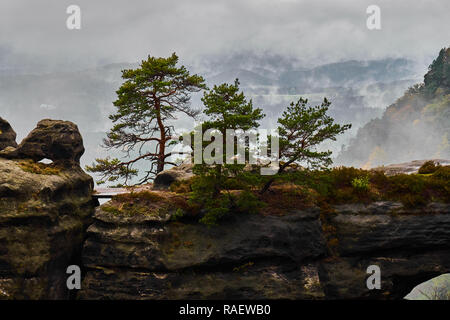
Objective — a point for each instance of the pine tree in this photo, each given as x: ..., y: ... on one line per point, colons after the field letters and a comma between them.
x: 226, y: 108
x: 150, y: 97
x: 301, y: 129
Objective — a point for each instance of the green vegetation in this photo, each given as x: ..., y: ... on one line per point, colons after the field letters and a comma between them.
x: 152, y: 93
x: 226, y: 108
x: 416, y: 124
x: 302, y: 128
x: 438, y: 74
x: 149, y: 203
x: 295, y: 189
x: 182, y: 186
x: 302, y: 188
x: 361, y: 184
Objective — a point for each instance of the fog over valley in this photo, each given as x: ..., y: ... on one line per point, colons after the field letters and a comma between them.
x: 279, y: 52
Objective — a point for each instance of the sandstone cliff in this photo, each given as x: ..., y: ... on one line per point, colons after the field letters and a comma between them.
x: 44, y: 211
x: 293, y: 256
x: 249, y: 257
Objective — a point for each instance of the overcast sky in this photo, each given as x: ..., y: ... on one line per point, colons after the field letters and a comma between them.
x: 126, y: 31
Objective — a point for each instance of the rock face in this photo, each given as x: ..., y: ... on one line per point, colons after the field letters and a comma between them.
x: 57, y: 140
x: 267, y: 257
x: 409, y: 246
x: 7, y: 135
x: 44, y: 210
x: 43, y: 218
x: 164, y: 179
x: 249, y: 257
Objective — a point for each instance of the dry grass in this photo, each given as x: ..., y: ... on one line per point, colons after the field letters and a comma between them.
x: 30, y: 166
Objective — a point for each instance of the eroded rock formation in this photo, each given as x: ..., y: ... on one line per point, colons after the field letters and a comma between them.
x: 7, y: 135
x: 267, y: 257
x: 44, y: 212
x: 43, y: 218
x: 57, y: 140
x: 250, y: 257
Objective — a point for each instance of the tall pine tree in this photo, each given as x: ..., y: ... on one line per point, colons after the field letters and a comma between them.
x: 150, y: 97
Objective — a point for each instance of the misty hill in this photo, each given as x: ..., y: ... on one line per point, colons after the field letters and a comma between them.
x: 293, y: 77
x: 416, y: 126
x: 85, y: 96
x: 347, y: 74
x: 246, y: 77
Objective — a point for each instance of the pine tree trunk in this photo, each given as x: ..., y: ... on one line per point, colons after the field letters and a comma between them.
x: 162, y: 142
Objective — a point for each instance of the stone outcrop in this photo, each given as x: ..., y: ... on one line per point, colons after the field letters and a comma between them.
x: 409, y: 246
x: 248, y: 257
x: 267, y: 257
x: 164, y: 179
x: 44, y: 210
x: 57, y: 140
x: 7, y: 135
x: 43, y: 218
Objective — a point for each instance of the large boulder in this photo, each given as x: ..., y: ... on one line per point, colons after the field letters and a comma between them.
x: 165, y: 178
x: 57, y: 140
x: 44, y: 212
x: 144, y: 254
x: 437, y: 288
x: 7, y: 135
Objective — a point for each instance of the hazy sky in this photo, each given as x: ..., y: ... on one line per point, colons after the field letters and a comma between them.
x: 314, y: 31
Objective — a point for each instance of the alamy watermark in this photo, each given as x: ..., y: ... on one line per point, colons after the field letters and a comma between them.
x: 374, y: 280
x: 373, y: 21
x: 74, y: 280
x: 259, y: 147
x: 73, y: 21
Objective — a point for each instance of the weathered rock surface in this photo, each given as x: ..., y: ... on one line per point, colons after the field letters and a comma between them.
x: 164, y: 179
x: 409, y: 246
x: 43, y: 218
x: 7, y: 135
x: 280, y: 281
x: 257, y: 257
x: 345, y: 277
x: 247, y: 257
x: 437, y: 288
x: 57, y: 140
